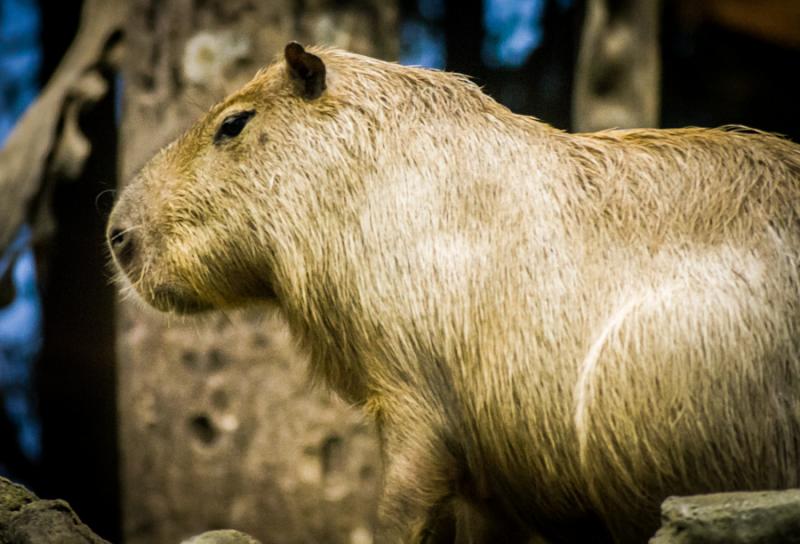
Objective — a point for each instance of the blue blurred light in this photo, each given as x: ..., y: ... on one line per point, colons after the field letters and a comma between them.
x: 513, y: 31
x: 422, y: 45
x: 432, y: 10
x: 20, y: 56
x: 20, y: 321
x: 20, y: 341
x: 17, y: 19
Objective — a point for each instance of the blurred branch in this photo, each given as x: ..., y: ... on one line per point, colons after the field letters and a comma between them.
x: 47, y: 143
x: 15, y: 247
x: 618, y: 72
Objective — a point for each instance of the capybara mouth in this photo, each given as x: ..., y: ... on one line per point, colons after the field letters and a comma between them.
x: 171, y: 298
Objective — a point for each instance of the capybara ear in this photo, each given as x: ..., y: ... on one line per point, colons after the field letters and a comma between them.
x: 306, y: 69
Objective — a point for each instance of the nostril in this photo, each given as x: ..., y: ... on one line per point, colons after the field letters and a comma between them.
x: 121, y: 242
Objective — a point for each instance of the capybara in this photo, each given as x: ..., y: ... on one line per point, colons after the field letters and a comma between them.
x: 553, y: 331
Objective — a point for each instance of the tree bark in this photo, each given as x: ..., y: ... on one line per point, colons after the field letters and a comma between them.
x: 618, y: 74
x: 218, y: 425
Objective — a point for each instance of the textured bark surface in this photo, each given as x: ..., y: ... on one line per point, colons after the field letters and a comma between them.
x: 218, y: 426
x: 618, y: 74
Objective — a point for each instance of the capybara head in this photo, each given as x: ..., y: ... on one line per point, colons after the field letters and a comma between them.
x: 197, y: 227
x: 211, y: 219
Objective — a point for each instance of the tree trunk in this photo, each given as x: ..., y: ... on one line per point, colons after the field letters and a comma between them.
x: 618, y: 74
x: 218, y: 425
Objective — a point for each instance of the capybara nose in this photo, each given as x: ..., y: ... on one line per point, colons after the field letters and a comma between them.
x: 122, y: 244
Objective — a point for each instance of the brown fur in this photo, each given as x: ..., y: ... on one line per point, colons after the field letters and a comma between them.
x: 554, y: 332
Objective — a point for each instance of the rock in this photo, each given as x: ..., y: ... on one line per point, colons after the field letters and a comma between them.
x: 26, y: 519
x: 13, y: 498
x: 731, y: 518
x: 225, y: 536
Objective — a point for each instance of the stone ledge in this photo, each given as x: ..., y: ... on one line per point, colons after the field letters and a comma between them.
x: 26, y: 519
x: 731, y: 518
x: 721, y: 518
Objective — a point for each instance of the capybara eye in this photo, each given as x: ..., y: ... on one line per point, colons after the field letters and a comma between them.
x: 233, y: 125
